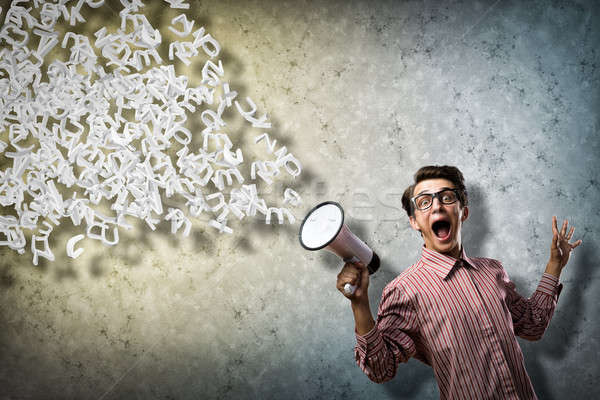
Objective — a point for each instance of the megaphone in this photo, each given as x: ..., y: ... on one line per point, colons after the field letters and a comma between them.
x: 324, y: 228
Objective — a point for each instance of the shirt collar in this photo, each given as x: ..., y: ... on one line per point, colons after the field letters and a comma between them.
x: 442, y: 264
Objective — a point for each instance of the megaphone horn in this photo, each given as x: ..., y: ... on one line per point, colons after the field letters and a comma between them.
x: 324, y: 228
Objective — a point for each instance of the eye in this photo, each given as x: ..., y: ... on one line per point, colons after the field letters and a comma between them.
x: 424, y: 201
x: 448, y: 197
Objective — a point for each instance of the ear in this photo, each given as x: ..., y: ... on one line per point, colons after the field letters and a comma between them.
x: 465, y: 214
x: 413, y: 223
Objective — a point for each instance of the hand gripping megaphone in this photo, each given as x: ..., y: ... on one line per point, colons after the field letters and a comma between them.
x: 324, y: 228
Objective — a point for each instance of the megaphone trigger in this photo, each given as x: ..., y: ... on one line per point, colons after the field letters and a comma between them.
x: 349, y: 289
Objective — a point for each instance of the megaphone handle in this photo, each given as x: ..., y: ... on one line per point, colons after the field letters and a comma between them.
x: 349, y: 288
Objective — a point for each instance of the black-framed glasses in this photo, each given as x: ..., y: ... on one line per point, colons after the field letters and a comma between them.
x: 424, y: 200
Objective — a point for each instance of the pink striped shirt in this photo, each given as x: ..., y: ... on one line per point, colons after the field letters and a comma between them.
x: 461, y: 318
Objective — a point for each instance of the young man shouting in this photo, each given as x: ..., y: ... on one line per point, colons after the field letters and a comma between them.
x: 458, y: 314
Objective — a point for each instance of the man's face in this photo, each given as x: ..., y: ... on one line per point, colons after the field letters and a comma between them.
x: 441, y: 223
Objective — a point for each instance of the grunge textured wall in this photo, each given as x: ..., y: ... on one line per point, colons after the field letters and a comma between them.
x: 363, y: 93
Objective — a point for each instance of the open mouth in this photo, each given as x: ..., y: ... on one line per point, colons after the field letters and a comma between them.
x: 441, y: 229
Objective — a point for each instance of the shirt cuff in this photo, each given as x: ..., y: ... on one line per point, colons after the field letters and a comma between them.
x: 368, y: 337
x: 369, y: 342
x: 549, y: 285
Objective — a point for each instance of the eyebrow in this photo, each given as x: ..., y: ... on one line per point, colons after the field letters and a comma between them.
x: 441, y: 189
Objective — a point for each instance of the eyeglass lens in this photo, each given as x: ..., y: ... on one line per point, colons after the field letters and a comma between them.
x: 424, y: 201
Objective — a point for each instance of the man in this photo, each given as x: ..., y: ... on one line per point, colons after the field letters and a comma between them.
x: 460, y: 315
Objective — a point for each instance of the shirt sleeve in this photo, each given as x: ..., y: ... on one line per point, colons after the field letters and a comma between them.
x: 389, y: 343
x: 531, y: 316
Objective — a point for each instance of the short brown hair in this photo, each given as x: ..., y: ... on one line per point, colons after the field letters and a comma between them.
x: 449, y: 172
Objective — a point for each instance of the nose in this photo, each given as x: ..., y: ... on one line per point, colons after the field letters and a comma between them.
x: 436, y: 204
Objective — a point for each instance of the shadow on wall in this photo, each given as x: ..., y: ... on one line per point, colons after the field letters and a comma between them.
x: 565, y: 327
x: 476, y: 227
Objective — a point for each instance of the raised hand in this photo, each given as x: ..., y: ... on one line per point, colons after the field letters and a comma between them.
x: 560, y: 248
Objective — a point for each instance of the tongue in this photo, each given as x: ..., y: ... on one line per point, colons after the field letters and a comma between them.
x: 443, y: 231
